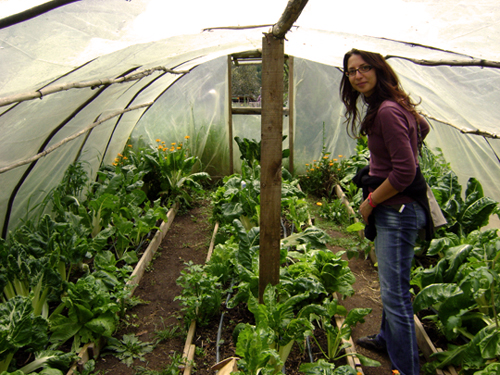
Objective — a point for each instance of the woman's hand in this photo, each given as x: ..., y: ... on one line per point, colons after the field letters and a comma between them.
x: 365, y: 209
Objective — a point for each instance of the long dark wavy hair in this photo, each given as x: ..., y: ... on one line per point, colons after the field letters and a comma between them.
x: 388, y: 87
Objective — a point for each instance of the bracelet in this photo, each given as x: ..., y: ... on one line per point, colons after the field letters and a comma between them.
x: 370, y: 200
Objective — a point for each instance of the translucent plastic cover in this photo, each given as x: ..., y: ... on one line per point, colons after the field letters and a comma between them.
x: 99, y: 41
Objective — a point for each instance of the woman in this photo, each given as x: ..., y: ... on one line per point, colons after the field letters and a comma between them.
x: 395, y: 206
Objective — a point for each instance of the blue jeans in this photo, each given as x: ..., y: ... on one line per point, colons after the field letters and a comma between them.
x: 394, y: 247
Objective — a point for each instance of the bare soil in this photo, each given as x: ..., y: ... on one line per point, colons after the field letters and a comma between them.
x: 188, y: 239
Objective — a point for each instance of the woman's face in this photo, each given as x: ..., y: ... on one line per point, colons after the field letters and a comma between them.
x: 363, y: 82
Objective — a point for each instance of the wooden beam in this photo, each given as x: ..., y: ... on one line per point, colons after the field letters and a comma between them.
x: 253, y: 111
x: 289, y: 16
x: 271, y: 158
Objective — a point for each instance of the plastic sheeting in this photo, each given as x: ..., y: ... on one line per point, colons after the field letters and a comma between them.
x: 93, y: 39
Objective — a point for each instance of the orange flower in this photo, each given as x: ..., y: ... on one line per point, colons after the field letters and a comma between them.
x: 178, y: 148
x: 307, y: 165
x: 319, y: 204
x: 187, y: 137
x: 173, y: 143
x: 163, y: 143
x: 335, y: 159
x: 340, y: 156
x: 129, y: 145
x: 160, y: 147
x: 117, y: 160
x: 158, y: 140
x: 325, y: 157
x: 172, y: 149
x: 120, y: 155
x: 125, y: 158
x: 114, y: 164
x: 331, y: 164
x: 395, y: 372
x: 315, y: 161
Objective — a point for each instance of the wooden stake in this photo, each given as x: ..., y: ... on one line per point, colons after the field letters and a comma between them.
x: 273, y: 56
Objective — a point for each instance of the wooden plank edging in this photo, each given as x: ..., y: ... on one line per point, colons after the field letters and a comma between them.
x: 140, y: 268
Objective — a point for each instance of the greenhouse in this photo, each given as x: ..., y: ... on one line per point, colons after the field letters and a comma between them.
x: 117, y: 115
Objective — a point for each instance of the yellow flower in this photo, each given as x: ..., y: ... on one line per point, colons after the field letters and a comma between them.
x: 158, y: 140
x: 165, y: 149
x: 120, y: 155
x: 331, y: 164
x: 114, y: 164
x: 125, y: 158
x: 117, y: 160
x: 166, y: 157
x: 340, y: 156
x: 163, y: 143
x: 315, y: 161
x: 178, y: 148
x: 335, y: 159
x: 307, y: 165
x: 325, y: 157
x: 173, y: 143
x: 172, y: 149
x: 187, y: 137
x: 319, y: 204
x: 338, y: 169
x: 160, y: 147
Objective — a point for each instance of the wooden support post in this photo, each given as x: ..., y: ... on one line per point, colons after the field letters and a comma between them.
x: 273, y: 56
x: 291, y: 103
x: 230, y: 114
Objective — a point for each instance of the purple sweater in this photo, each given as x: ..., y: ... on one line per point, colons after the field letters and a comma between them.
x: 393, y: 147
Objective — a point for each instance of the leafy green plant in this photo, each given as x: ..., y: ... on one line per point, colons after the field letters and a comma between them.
x: 201, y: 295
x: 238, y: 198
x: 87, y: 313
x: 250, y: 150
x: 279, y: 316
x: 463, y: 288
x: 326, y: 368
x: 129, y: 348
x: 295, y: 210
x: 253, y: 345
x: 352, y: 165
x: 19, y: 328
x: 337, y: 337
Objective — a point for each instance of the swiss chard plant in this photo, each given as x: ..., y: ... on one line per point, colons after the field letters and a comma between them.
x: 88, y: 312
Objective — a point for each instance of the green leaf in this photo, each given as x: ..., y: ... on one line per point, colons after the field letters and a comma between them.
x: 434, y: 294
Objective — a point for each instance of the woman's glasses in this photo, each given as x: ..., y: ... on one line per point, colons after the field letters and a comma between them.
x: 361, y: 69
